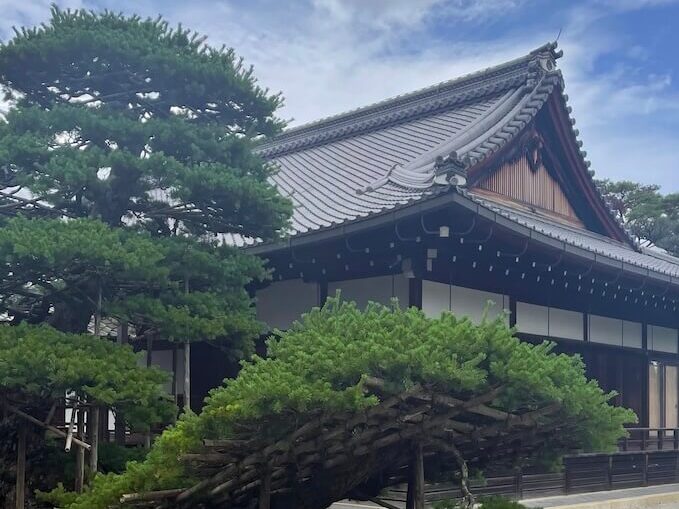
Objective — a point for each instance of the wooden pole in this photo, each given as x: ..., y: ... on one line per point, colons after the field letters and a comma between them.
x: 419, y: 477
x: 410, y: 494
x: 20, y: 493
x: 175, y: 378
x: 80, y: 455
x: 187, y: 363
x: 187, y: 376
x: 93, y: 426
x: 54, y: 430
x: 149, y: 351
x: 149, y: 363
x: 120, y: 431
x: 265, y: 491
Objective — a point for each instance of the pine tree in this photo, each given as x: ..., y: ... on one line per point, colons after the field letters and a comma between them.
x: 144, y: 135
x: 126, y: 161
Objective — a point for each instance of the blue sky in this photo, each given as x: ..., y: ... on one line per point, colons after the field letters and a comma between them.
x: 620, y: 66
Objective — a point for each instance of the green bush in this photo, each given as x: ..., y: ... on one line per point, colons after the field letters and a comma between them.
x: 322, y: 362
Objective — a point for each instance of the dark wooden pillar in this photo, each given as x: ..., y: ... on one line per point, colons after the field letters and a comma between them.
x: 322, y: 292
x: 410, y: 494
x: 512, y: 311
x: 265, y: 491
x: 644, y: 417
x: 20, y: 491
x: 415, y: 292
x: 120, y: 429
x: 419, y: 477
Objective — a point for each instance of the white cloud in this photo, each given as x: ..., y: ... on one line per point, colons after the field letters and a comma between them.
x: 328, y: 56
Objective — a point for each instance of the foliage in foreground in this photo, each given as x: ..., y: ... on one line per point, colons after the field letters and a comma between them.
x: 322, y: 361
x: 39, y: 364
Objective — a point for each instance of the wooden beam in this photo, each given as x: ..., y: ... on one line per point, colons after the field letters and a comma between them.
x: 419, y: 477
x: 410, y: 494
x: 150, y: 495
x: 93, y: 425
x: 187, y: 376
x: 415, y: 292
x: 20, y: 492
x: 383, y: 503
x: 35, y: 421
x: 264, y: 499
x: 80, y: 455
x: 175, y: 378
x: 120, y: 429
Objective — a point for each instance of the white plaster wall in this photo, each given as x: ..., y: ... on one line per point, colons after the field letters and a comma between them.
x: 631, y: 334
x: 473, y: 303
x: 283, y: 302
x: 163, y: 359
x: 435, y: 298
x: 376, y: 289
x: 662, y: 339
x: 612, y: 331
x: 605, y: 330
x: 532, y: 319
x: 547, y: 321
x: 565, y: 324
x: 439, y: 297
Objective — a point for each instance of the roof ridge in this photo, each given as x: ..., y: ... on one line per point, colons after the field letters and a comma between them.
x: 498, y: 78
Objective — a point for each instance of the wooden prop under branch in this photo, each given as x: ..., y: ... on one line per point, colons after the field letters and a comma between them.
x: 329, y: 457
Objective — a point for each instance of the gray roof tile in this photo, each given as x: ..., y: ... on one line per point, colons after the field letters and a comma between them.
x: 650, y: 259
x: 390, y: 150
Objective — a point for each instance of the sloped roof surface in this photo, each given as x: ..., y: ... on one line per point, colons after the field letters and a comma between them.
x: 384, y: 156
x: 590, y: 241
x: 393, y: 153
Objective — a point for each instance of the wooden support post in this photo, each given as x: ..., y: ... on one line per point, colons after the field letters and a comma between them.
x: 187, y: 362
x: 149, y: 363
x: 419, y: 477
x: 120, y: 429
x: 410, y: 494
x: 93, y: 426
x: 54, y: 430
x: 80, y: 455
x: 175, y: 378
x: 187, y: 376
x: 265, y: 490
x: 20, y: 492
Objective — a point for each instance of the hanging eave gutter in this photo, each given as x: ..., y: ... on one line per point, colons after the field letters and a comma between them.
x: 442, y: 201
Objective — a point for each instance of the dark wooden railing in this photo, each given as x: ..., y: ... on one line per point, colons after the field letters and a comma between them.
x: 650, y: 439
x: 648, y: 456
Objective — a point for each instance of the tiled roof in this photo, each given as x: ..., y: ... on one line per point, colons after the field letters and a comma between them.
x: 645, y: 258
x: 384, y: 156
x: 349, y: 167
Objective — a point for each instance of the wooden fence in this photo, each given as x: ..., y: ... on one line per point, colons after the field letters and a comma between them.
x: 649, y: 456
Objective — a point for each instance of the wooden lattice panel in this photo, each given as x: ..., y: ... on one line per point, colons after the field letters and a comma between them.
x: 536, y: 187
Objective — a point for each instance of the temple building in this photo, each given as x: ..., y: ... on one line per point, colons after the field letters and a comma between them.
x: 469, y: 191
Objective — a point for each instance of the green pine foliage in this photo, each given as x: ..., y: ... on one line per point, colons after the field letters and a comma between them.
x: 321, y: 364
x: 39, y: 363
x: 126, y: 158
x: 140, y: 135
